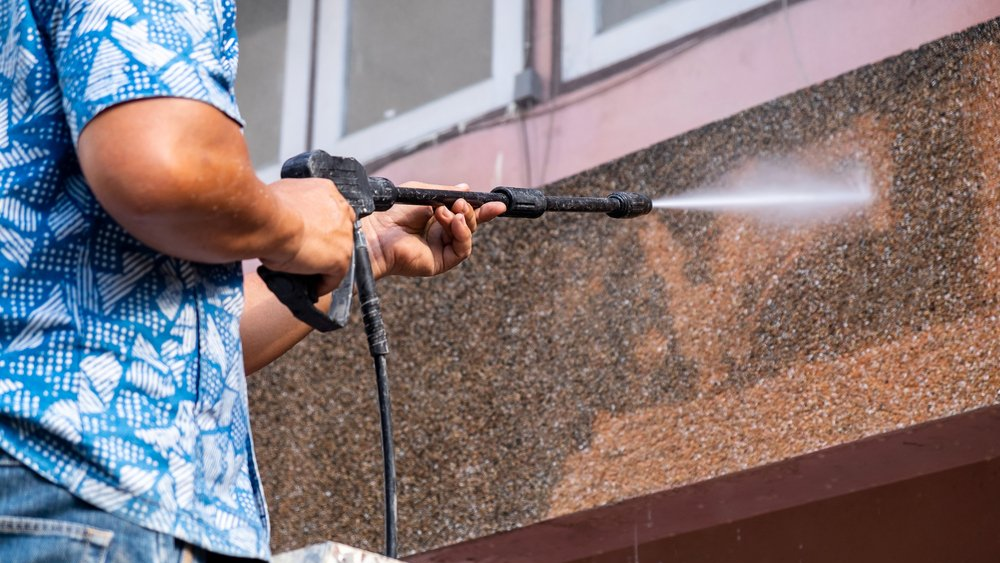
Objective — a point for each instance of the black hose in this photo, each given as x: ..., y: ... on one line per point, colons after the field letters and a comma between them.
x: 388, y: 458
x: 378, y: 346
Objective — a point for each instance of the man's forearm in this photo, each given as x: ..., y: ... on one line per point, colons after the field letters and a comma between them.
x: 267, y: 328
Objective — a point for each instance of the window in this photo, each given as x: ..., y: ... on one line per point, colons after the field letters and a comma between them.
x: 599, y: 33
x: 272, y: 84
x: 392, y: 74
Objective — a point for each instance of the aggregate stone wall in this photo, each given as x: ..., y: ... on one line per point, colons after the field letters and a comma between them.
x: 576, y: 361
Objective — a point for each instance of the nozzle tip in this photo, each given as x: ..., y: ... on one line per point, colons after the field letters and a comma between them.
x: 630, y: 204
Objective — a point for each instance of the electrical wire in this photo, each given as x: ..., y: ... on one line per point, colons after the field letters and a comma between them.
x: 571, y: 99
x: 523, y: 116
x: 786, y: 14
x: 622, y: 78
x: 526, y: 152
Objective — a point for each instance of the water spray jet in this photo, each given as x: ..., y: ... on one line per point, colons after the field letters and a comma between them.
x: 760, y: 201
x: 780, y: 191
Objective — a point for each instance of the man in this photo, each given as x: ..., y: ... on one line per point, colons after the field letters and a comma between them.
x: 127, y: 200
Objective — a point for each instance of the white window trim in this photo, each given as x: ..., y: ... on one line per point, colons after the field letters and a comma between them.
x: 295, y: 90
x: 585, y: 50
x: 419, y: 124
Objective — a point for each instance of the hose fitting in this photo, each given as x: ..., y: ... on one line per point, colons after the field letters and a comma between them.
x: 525, y: 203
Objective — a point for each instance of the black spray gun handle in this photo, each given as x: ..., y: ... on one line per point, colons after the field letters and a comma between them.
x: 299, y: 292
x: 369, y: 194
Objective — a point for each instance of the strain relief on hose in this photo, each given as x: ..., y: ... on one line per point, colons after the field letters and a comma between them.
x: 630, y: 205
x: 371, y: 313
x: 525, y: 203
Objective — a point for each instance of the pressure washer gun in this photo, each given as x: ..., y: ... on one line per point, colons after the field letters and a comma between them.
x: 368, y: 194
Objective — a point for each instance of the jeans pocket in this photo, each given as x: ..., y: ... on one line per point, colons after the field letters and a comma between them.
x: 39, y: 540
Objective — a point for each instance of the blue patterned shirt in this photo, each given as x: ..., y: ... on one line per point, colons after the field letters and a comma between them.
x: 121, y: 373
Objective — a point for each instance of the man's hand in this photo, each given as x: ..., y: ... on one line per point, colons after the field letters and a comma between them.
x: 327, y: 241
x: 411, y: 240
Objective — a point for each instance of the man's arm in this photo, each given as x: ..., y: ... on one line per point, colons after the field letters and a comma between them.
x: 268, y: 329
x: 177, y: 175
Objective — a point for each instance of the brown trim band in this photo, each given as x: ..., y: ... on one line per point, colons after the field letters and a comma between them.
x: 964, y: 441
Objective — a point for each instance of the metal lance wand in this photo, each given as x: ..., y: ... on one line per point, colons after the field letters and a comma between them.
x: 370, y: 194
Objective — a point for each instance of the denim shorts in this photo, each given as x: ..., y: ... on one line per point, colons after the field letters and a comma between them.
x: 42, y: 522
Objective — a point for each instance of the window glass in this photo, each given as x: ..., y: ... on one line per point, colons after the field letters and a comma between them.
x: 614, y: 12
x: 402, y: 55
x: 263, y: 29
x: 599, y: 33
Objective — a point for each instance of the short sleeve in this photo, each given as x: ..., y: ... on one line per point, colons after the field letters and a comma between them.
x: 112, y: 51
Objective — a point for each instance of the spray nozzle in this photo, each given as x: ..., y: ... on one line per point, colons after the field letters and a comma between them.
x: 630, y: 204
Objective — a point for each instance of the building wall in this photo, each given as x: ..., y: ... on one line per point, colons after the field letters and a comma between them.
x: 698, y: 81
x: 580, y: 361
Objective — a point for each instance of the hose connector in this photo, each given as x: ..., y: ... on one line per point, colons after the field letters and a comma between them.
x: 384, y: 192
x: 630, y: 204
x: 525, y: 203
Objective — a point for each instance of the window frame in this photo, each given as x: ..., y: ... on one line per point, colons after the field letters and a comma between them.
x: 585, y: 50
x: 294, y: 114
x: 421, y: 124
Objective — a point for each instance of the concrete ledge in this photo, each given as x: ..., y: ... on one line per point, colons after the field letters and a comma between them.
x: 330, y: 552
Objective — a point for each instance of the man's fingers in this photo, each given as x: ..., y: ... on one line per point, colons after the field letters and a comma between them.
x: 444, y: 218
x: 447, y: 231
x: 443, y: 215
x: 455, y: 232
x: 465, y: 208
x: 461, y: 237
x: 490, y: 211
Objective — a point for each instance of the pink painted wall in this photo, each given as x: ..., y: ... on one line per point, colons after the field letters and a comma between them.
x: 813, y: 41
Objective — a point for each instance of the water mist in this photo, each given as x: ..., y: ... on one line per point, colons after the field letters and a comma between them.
x: 782, y: 191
